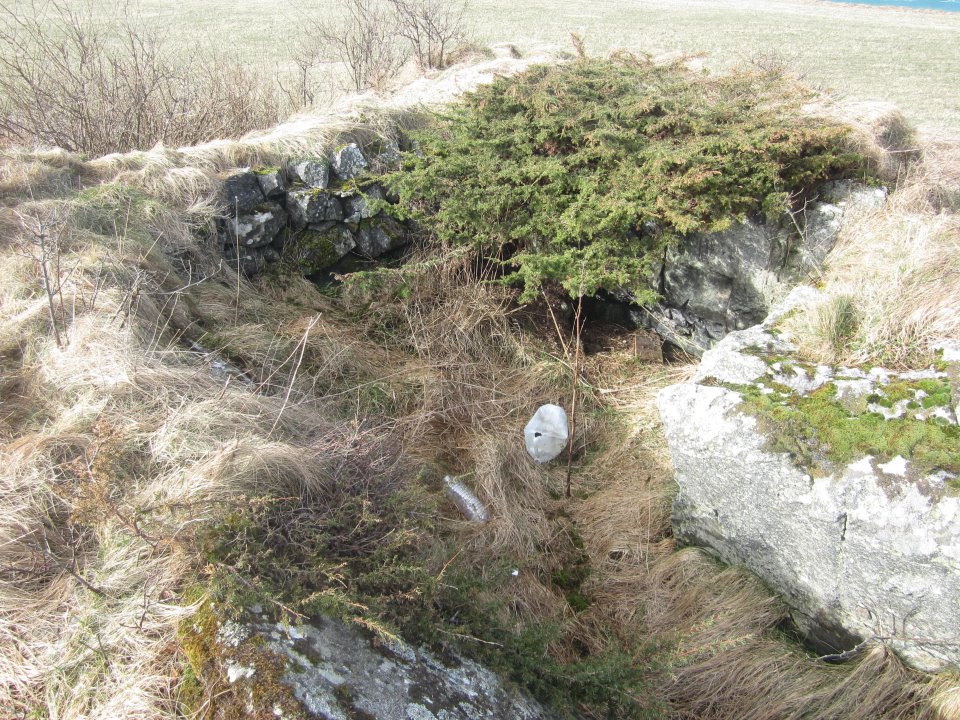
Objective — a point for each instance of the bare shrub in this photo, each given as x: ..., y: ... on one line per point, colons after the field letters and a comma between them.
x: 434, y: 28
x: 306, y: 56
x: 364, y: 41
x: 71, y: 81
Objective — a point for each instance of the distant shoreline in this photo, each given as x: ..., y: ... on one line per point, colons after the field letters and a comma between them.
x: 871, y: 6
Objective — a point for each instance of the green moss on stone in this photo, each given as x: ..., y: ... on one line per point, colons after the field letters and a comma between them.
x: 822, y: 435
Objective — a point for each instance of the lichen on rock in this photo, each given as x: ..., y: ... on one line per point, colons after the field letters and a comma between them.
x: 852, y: 515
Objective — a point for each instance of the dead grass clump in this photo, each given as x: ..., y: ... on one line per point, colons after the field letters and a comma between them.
x: 892, y: 283
x: 762, y: 680
x: 482, y: 378
x: 881, y: 133
x: 517, y: 494
x: 942, y: 169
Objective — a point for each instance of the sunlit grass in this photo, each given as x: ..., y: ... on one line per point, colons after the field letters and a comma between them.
x: 904, y: 56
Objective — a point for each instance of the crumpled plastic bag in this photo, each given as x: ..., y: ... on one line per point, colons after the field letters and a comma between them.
x: 546, y: 434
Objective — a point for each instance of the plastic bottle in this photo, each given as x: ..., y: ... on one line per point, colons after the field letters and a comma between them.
x: 464, y: 499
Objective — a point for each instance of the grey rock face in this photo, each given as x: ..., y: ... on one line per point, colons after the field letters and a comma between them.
x: 240, y: 192
x: 313, y: 206
x: 320, y: 246
x: 725, y: 277
x: 871, y: 550
x: 720, y: 282
x: 376, y: 238
x: 342, y: 241
x: 340, y: 673
x: 273, y: 184
x: 257, y: 229
x: 348, y: 162
x: 312, y: 173
x: 391, y: 158
x: 357, y: 207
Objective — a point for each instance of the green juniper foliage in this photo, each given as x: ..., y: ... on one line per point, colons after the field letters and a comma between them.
x: 582, y: 173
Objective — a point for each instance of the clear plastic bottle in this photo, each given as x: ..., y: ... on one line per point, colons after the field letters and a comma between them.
x: 464, y: 499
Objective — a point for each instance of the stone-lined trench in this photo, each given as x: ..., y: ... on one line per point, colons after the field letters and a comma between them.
x: 311, y: 213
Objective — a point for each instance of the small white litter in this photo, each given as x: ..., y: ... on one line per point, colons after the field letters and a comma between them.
x: 546, y: 433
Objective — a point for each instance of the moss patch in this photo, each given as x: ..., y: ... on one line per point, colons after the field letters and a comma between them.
x: 821, y: 434
x: 310, y: 251
x: 205, y: 692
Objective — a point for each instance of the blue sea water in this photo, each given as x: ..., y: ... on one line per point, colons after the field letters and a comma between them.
x: 948, y: 5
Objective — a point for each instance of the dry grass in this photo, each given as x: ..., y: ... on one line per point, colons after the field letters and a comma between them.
x: 118, y: 441
x: 892, y: 282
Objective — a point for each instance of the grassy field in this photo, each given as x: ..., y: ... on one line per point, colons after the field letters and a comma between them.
x: 905, y: 56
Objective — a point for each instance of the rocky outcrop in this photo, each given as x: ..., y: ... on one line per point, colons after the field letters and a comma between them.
x: 314, y: 211
x: 712, y: 284
x: 336, y: 672
x: 837, y: 486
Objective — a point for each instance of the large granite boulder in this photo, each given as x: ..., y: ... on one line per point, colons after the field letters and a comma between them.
x: 257, y: 228
x: 860, y: 546
x: 714, y: 283
x: 313, y: 206
x: 378, y: 236
x: 273, y: 182
x: 348, y: 162
x: 311, y: 173
x: 240, y: 192
x: 337, y: 672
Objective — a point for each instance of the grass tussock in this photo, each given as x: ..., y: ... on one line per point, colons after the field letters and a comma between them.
x: 175, y: 437
x: 892, y: 281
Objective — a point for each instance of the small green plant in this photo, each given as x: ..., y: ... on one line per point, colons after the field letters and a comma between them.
x: 838, y: 321
x: 583, y: 173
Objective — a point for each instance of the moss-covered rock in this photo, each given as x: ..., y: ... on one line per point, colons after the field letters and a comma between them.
x: 317, y: 248
x: 835, y: 485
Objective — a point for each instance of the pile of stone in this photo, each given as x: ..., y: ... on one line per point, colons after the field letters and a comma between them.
x: 314, y: 211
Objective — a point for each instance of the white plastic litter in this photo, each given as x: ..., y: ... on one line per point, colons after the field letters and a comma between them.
x: 464, y: 499
x: 546, y: 433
